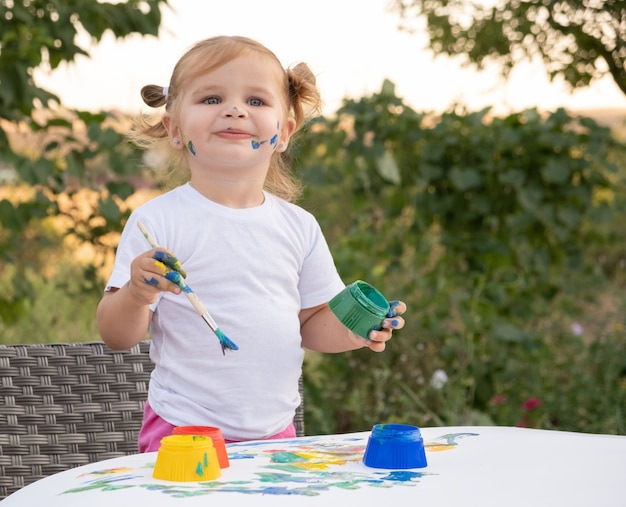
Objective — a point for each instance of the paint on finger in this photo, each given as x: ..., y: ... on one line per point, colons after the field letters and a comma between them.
x: 392, y: 308
x: 152, y: 281
x: 170, y: 261
x: 174, y: 277
x: 161, y: 266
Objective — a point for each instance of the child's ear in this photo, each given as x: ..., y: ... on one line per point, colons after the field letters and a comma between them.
x: 285, y: 134
x: 173, y: 131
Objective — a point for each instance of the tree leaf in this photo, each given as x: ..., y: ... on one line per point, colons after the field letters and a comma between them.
x: 388, y: 168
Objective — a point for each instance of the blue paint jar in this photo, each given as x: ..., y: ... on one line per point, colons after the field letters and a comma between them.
x: 360, y: 307
x: 395, y: 447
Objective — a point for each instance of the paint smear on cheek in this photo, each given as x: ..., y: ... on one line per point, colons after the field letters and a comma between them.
x: 273, y: 142
x: 274, y: 139
x: 191, y: 148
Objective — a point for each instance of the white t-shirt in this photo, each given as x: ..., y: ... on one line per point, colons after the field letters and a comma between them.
x: 253, y: 269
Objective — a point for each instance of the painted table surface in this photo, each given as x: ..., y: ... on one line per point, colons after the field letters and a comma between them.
x: 469, y: 466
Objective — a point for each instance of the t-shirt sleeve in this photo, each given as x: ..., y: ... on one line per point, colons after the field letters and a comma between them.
x: 319, y: 279
x: 132, y: 243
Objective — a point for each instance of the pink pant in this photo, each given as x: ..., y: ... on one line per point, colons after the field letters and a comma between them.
x: 154, y: 428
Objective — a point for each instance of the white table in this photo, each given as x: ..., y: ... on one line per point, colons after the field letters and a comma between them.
x: 468, y: 466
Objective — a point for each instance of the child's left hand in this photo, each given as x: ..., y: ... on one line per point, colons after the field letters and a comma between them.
x: 378, y: 338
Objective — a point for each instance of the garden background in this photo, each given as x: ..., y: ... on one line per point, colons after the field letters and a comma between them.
x: 503, y: 234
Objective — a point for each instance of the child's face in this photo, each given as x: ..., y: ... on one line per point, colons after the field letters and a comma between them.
x: 233, y: 116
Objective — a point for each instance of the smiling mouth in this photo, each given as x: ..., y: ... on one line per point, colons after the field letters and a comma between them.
x: 234, y: 134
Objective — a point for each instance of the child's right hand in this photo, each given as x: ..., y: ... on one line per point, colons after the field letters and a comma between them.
x: 154, y: 271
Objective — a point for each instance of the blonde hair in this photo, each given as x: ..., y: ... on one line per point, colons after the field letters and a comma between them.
x: 301, y: 100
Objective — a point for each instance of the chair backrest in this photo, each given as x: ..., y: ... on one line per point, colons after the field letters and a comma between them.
x: 66, y: 405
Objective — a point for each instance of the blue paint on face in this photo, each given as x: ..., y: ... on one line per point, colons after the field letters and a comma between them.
x: 257, y: 144
x: 152, y: 281
x: 274, y: 140
x: 191, y: 148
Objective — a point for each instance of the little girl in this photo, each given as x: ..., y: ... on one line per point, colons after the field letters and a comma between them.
x: 258, y: 262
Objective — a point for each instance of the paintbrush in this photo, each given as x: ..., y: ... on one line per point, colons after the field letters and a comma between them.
x: 193, y: 298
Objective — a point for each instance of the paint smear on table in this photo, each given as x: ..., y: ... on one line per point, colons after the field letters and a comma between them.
x: 300, y: 467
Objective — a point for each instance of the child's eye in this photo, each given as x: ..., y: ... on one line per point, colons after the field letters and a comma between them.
x: 211, y: 100
x: 255, y: 102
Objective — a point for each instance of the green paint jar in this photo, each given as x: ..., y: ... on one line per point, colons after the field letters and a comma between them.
x: 360, y: 307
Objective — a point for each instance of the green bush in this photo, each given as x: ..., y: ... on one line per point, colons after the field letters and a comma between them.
x: 485, y: 227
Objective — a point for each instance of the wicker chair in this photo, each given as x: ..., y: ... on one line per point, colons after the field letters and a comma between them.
x: 66, y: 405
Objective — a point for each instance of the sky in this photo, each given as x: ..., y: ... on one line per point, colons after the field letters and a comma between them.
x: 352, y: 46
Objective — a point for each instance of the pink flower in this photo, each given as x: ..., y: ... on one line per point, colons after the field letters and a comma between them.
x: 531, y: 403
x: 499, y: 399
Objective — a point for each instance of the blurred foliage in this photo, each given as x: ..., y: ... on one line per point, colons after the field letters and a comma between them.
x: 576, y: 41
x: 68, y: 156
x: 484, y: 226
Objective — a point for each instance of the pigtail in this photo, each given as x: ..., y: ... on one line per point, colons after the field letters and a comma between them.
x: 304, y: 96
x: 144, y: 132
x: 154, y: 95
x: 149, y: 133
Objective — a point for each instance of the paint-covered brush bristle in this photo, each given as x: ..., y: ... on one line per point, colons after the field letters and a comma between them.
x: 225, y: 341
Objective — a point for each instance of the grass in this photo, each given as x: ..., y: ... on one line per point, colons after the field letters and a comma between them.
x: 61, y: 312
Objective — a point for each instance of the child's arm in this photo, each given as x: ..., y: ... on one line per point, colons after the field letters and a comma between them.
x: 122, y: 320
x: 323, y: 332
x: 124, y: 314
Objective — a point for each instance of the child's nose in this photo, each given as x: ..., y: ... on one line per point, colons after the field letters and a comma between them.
x: 235, y: 112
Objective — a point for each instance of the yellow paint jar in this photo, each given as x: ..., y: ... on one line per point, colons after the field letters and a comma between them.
x: 208, y: 431
x: 187, y: 458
